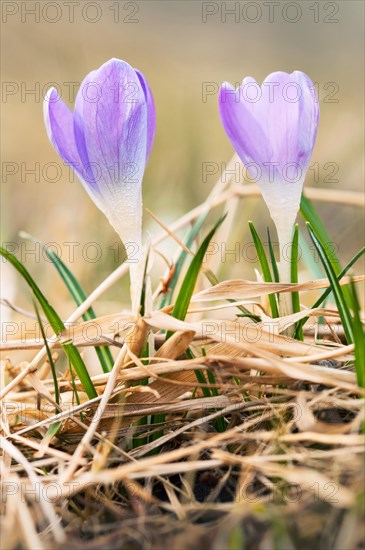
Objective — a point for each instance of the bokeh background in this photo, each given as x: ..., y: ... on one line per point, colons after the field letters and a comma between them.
x: 179, y: 53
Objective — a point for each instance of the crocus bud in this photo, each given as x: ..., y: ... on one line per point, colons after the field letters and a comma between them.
x: 107, y: 141
x: 273, y: 129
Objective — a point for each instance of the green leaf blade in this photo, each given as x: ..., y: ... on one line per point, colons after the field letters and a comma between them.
x: 187, y: 288
x: 341, y: 303
x: 56, y: 323
x: 264, y: 267
x: 103, y: 352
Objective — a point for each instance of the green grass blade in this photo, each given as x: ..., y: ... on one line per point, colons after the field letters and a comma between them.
x: 310, y: 215
x: 50, y: 359
x: 166, y: 300
x: 199, y: 375
x: 79, y: 296
x: 294, y: 275
x: 76, y: 360
x: 359, y: 338
x: 341, y: 303
x: 76, y: 393
x: 53, y: 430
x: 186, y: 291
x: 264, y: 267
x: 328, y: 291
x: 219, y: 423
x: 189, y: 282
x: 143, y: 292
x: 56, y: 323
x: 274, y: 265
x: 308, y: 258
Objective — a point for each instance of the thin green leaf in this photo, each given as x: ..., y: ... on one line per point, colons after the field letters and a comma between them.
x: 294, y: 274
x: 187, y: 288
x: 274, y: 265
x: 53, y: 430
x: 76, y: 393
x: 328, y: 291
x: 255, y: 318
x: 310, y: 215
x: 359, y: 338
x: 76, y: 361
x: 143, y: 293
x: 341, y: 303
x: 199, y: 375
x: 50, y: 358
x: 166, y: 300
x: 57, y: 325
x: 264, y: 267
x: 77, y: 293
x: 308, y: 258
x: 219, y: 423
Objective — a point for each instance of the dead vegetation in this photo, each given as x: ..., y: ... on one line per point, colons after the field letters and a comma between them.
x: 230, y: 434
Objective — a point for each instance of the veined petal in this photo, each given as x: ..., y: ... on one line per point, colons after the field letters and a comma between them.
x: 59, y: 125
x: 308, y: 116
x: 288, y: 112
x: 90, y: 170
x: 151, y: 112
x: 242, y: 127
x: 113, y: 109
x: 59, y: 122
x: 276, y: 117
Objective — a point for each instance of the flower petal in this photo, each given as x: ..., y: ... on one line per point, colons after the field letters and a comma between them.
x: 90, y: 171
x: 59, y: 125
x: 309, y: 117
x: 112, y: 106
x: 242, y: 127
x: 151, y: 112
x: 288, y: 113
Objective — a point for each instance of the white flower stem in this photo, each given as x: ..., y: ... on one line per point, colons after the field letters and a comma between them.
x: 283, y: 200
x: 136, y: 271
x: 131, y: 237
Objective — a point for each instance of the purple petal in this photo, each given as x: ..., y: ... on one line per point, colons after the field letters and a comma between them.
x: 151, y: 112
x: 90, y: 172
x: 282, y: 122
x: 111, y: 124
x: 286, y: 112
x: 309, y: 117
x: 242, y: 128
x: 59, y: 125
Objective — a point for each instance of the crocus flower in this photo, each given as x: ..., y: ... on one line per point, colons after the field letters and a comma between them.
x: 107, y: 141
x: 273, y: 130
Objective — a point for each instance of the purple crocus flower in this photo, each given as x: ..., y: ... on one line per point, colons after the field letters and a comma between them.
x: 107, y: 141
x: 273, y: 130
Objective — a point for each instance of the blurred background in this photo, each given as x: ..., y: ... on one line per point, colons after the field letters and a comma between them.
x: 184, y: 48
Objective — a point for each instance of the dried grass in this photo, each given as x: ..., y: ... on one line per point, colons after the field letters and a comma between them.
x: 288, y: 460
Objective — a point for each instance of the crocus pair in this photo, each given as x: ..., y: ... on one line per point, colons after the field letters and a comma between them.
x: 108, y: 139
